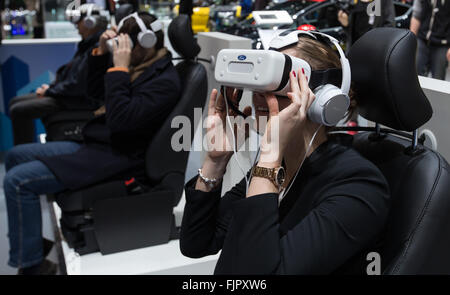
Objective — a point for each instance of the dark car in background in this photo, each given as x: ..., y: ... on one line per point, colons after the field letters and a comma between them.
x: 322, y: 15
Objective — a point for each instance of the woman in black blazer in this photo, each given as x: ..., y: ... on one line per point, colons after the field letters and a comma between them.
x: 140, y: 87
x: 330, y: 219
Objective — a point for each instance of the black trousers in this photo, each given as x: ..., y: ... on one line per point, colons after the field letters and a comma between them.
x: 431, y: 58
x: 24, y: 109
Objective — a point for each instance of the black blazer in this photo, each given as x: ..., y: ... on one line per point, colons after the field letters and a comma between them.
x: 335, y: 210
x: 115, y: 143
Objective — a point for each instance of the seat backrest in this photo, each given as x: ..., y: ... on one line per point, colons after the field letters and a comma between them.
x: 165, y: 166
x: 417, y: 236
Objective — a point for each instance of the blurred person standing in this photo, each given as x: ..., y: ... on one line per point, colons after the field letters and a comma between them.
x: 430, y: 22
x: 358, y: 19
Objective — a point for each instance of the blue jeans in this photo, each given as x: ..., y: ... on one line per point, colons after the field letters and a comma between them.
x: 26, y: 178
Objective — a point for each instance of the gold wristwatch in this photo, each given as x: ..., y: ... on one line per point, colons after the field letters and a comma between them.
x: 276, y: 175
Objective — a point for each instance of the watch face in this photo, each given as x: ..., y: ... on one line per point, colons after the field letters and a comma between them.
x: 281, y: 176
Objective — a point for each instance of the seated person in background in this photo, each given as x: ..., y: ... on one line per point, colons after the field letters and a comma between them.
x: 335, y: 209
x: 67, y: 92
x: 139, y: 92
x: 356, y: 21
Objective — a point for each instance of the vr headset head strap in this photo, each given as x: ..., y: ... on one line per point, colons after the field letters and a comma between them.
x: 155, y: 26
x: 290, y: 37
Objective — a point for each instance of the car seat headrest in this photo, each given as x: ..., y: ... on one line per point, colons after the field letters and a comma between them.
x: 182, y: 38
x: 385, y: 79
x: 123, y: 11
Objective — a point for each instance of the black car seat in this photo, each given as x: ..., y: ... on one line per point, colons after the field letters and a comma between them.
x: 417, y: 236
x: 121, y: 215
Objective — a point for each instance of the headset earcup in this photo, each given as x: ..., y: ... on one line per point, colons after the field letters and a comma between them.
x: 329, y: 106
x: 90, y: 22
x: 147, y: 39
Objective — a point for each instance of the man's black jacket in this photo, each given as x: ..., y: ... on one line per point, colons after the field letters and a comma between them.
x: 70, y: 84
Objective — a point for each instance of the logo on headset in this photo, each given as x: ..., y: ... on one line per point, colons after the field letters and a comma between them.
x: 242, y: 57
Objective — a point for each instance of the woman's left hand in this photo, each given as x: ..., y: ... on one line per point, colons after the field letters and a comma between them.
x: 283, y: 126
x: 122, y: 51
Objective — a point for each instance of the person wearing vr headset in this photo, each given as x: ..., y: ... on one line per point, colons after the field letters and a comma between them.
x: 140, y: 86
x: 312, y: 204
x: 68, y: 91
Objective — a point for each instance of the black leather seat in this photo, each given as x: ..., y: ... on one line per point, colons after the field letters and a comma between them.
x: 66, y: 125
x: 417, y: 237
x: 118, y: 215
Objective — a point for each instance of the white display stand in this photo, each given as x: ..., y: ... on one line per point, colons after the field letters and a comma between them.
x: 60, y: 29
x: 165, y: 259
x: 266, y: 35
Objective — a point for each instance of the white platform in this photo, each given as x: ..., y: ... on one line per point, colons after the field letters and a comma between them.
x: 163, y: 259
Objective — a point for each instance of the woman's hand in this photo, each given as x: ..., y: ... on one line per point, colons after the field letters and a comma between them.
x: 343, y: 18
x: 448, y: 55
x: 219, y: 141
x: 288, y: 124
x: 122, y: 51
x: 108, y: 34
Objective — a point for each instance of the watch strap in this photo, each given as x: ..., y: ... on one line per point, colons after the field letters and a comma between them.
x: 264, y: 172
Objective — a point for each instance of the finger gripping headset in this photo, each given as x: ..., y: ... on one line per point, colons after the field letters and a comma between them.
x: 268, y: 71
x: 146, y: 37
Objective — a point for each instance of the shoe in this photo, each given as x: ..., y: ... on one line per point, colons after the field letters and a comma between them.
x: 46, y: 267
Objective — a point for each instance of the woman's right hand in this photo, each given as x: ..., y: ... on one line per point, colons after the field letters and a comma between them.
x: 108, y: 34
x: 219, y: 141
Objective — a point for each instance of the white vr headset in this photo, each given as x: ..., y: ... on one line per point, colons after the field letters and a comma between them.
x: 268, y: 71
